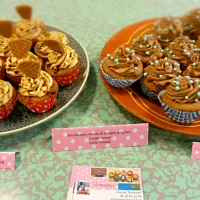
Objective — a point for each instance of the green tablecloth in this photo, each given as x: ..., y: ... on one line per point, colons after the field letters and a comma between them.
x: 168, y: 171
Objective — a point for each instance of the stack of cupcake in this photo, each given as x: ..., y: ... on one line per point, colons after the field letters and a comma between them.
x: 35, y: 63
x: 169, y: 63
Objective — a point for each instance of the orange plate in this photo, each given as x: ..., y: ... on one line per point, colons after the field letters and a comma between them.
x: 132, y: 98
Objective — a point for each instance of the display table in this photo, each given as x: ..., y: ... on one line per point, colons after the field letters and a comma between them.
x: 167, y: 168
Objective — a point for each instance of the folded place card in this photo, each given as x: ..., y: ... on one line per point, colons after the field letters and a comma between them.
x: 196, y: 150
x: 7, y: 161
x: 100, y: 137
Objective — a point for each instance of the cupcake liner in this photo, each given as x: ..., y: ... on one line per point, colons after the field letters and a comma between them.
x: 148, y: 92
x: 42, y: 106
x: 182, y: 117
x: 15, y: 79
x: 6, y: 110
x: 117, y: 82
x: 68, y: 79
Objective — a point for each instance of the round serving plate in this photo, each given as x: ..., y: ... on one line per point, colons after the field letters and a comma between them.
x: 131, y: 98
x: 22, y: 119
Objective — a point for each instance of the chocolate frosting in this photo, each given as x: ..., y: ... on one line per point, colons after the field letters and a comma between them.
x: 181, y: 50
x: 193, y: 70
x: 147, y: 48
x: 162, y: 72
x: 191, y: 23
x: 183, y: 90
x: 167, y: 29
x: 124, y: 63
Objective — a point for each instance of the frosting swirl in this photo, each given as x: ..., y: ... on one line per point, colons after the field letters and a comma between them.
x: 42, y: 50
x: 191, y: 23
x: 181, y: 50
x: 38, y: 87
x: 12, y: 64
x: 162, y: 72
x: 193, y: 70
x: 147, y: 48
x: 167, y: 29
x: 28, y: 29
x: 124, y: 63
x: 58, y: 61
x: 183, y: 90
x: 6, y: 92
x: 4, y: 48
x: 55, y: 35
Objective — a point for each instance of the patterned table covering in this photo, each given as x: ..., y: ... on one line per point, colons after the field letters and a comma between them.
x: 168, y: 171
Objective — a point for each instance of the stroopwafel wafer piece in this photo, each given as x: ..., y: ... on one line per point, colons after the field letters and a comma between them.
x: 25, y: 11
x: 20, y: 47
x: 30, y: 68
x: 54, y: 45
x: 6, y: 28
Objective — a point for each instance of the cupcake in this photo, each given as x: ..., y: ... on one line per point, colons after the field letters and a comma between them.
x: 63, y: 63
x: 122, y: 68
x: 2, y: 70
x: 181, y: 100
x: 193, y: 70
x: 28, y: 27
x: 182, y: 50
x: 42, y: 50
x: 8, y: 98
x: 191, y: 23
x: 158, y: 75
x: 38, y: 94
x: 147, y: 49
x: 167, y: 29
x: 12, y: 70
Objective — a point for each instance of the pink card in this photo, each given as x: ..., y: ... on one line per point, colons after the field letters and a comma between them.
x: 7, y: 161
x: 196, y: 150
x: 100, y: 137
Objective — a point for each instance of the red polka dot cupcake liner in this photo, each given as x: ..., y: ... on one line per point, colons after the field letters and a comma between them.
x: 15, y: 79
x: 67, y: 79
x: 6, y: 110
x: 43, y: 105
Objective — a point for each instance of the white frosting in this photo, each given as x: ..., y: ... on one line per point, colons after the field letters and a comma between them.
x: 36, y: 87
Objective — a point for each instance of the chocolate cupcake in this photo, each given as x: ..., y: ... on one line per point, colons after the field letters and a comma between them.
x: 122, y: 68
x: 167, y: 29
x: 191, y: 23
x: 193, y: 70
x: 181, y: 99
x: 147, y: 48
x: 158, y: 75
x: 182, y: 50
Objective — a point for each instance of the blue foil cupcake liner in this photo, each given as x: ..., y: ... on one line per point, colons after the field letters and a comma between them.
x: 179, y: 116
x: 117, y: 82
x: 148, y: 92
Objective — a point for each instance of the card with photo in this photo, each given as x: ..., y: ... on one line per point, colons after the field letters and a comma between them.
x: 89, y: 183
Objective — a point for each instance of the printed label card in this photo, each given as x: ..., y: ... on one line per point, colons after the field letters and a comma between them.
x: 7, y: 161
x: 89, y: 183
x: 100, y: 137
x: 196, y: 150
